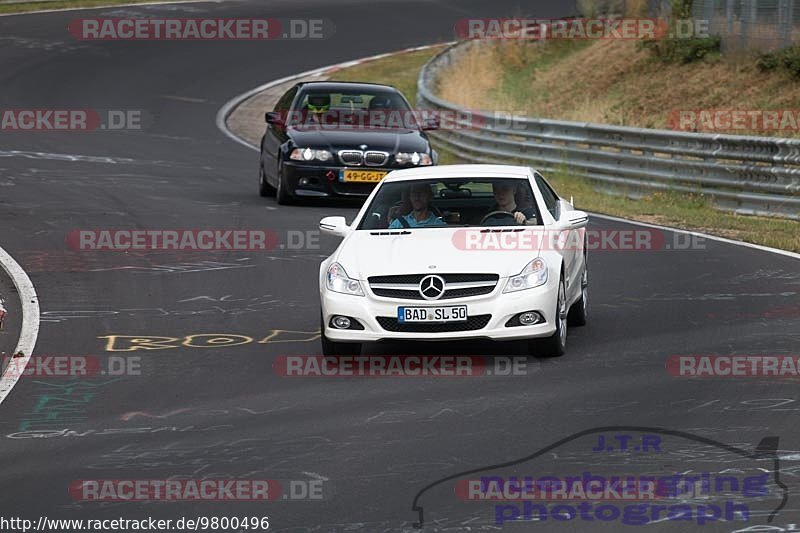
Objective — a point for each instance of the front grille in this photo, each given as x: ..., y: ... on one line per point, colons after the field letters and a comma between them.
x: 406, y: 286
x: 375, y: 159
x: 351, y: 157
x: 448, y: 295
x: 448, y: 278
x: 471, y: 324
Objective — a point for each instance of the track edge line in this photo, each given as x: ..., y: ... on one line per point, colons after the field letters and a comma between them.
x: 29, y: 331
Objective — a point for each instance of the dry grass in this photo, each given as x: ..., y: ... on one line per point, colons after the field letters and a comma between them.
x: 613, y: 82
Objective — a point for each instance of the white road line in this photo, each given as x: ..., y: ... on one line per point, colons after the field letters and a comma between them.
x: 787, y: 253
x: 30, y: 322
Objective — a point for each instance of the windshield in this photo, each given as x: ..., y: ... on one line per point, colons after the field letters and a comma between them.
x: 360, y: 108
x: 453, y: 202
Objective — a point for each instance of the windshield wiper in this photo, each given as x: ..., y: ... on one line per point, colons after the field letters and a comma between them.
x: 404, y: 232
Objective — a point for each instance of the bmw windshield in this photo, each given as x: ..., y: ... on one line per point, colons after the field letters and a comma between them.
x: 353, y: 109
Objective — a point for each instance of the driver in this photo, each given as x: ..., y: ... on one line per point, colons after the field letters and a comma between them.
x: 420, y: 196
x: 504, y: 195
x: 317, y: 105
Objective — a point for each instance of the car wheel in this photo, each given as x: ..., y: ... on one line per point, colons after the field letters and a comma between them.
x: 264, y: 188
x: 579, y: 311
x: 281, y: 194
x: 556, y: 344
x: 335, y: 349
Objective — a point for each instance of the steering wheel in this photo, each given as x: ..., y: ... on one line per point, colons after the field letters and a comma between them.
x: 498, y: 214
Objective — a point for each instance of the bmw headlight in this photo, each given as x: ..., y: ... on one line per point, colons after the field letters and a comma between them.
x: 533, y: 275
x: 413, y: 158
x: 337, y: 280
x: 310, y: 154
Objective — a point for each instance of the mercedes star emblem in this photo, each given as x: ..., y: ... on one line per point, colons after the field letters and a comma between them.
x: 431, y: 287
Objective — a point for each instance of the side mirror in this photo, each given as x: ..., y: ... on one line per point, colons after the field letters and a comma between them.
x: 335, y: 226
x: 273, y: 118
x: 576, y: 219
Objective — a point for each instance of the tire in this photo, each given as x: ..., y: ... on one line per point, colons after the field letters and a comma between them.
x: 264, y: 189
x: 333, y: 348
x: 281, y: 194
x: 579, y: 312
x: 556, y: 344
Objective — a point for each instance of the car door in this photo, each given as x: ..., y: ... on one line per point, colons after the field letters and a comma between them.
x: 275, y: 135
x: 563, y: 237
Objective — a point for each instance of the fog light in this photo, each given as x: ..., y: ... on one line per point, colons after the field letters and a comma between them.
x: 341, y: 322
x: 526, y: 319
x: 303, y: 182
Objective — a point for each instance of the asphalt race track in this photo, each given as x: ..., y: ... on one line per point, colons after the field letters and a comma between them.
x: 208, y: 403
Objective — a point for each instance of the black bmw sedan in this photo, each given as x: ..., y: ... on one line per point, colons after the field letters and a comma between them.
x: 327, y: 139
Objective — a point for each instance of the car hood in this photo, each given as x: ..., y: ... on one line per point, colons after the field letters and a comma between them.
x: 428, y: 250
x: 382, y: 139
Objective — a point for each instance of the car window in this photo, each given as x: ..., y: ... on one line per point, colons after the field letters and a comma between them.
x: 358, y: 107
x: 455, y: 202
x: 286, y: 100
x: 549, y: 195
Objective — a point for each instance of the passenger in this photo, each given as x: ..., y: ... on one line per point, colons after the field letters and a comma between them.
x: 420, y: 196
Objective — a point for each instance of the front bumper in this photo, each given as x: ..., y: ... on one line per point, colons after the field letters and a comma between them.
x: 500, y: 307
x: 306, y: 180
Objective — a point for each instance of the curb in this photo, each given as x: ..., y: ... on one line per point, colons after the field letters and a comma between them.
x: 30, y: 320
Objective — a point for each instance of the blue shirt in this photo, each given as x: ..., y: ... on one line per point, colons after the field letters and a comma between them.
x: 414, y: 223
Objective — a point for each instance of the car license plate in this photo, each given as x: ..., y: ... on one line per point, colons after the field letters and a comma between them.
x: 457, y: 313
x: 361, y: 176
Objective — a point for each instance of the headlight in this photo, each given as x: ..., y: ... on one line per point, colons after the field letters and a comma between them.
x: 533, y: 275
x: 310, y: 154
x: 337, y: 280
x: 413, y: 158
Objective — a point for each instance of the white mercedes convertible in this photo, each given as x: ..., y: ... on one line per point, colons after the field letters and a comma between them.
x: 456, y: 252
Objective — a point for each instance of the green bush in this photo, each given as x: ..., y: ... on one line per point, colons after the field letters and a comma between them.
x: 788, y: 58
x: 683, y: 50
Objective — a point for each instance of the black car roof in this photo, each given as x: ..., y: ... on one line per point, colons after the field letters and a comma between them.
x: 340, y: 85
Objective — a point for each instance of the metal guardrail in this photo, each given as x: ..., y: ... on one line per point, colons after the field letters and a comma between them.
x: 749, y: 175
